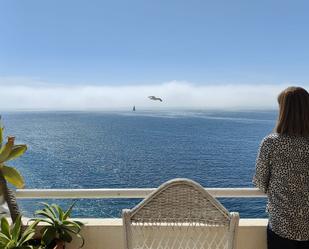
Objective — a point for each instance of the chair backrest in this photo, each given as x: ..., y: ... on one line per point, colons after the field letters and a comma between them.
x: 180, y: 214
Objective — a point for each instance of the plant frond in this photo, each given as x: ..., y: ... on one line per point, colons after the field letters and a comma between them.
x: 6, y: 149
x: 13, y: 176
x: 67, y: 214
x: 5, y: 227
x: 45, y: 213
x: 50, y: 208
x: 17, y: 151
x: 16, y: 228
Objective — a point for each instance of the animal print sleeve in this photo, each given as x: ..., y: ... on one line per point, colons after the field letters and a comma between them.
x: 262, y: 166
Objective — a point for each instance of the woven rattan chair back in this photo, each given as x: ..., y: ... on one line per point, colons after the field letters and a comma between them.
x: 180, y: 214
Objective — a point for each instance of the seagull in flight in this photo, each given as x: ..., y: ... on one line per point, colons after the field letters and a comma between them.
x: 155, y: 98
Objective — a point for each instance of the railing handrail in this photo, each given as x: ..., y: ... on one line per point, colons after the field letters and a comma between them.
x: 104, y: 193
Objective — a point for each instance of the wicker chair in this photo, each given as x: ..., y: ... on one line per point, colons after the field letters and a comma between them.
x: 180, y: 214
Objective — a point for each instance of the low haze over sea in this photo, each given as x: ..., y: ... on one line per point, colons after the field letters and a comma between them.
x: 125, y: 149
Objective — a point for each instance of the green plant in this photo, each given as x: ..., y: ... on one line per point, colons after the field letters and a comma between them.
x: 15, y: 237
x: 10, y: 151
x: 59, y: 227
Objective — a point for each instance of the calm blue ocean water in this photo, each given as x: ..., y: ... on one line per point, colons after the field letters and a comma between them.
x: 141, y: 149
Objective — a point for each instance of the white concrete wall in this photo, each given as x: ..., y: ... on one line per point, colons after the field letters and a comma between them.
x: 108, y: 234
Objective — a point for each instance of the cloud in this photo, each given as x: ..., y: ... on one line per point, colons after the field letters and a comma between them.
x: 19, y: 93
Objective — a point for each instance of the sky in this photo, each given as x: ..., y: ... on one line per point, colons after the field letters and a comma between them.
x: 98, y: 54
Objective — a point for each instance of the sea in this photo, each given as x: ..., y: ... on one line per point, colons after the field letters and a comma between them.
x: 141, y: 149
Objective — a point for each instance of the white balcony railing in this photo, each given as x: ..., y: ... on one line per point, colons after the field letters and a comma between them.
x: 108, y: 233
x: 104, y: 193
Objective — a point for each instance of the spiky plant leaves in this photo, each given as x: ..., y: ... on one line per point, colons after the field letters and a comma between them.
x: 64, y: 235
x: 81, y: 238
x: 50, y: 209
x: 75, y: 225
x: 16, y: 229
x: 49, y: 235
x: 4, y: 240
x: 10, y: 245
x: 58, y: 210
x: 15, y: 238
x: 25, y: 238
x: 13, y: 176
x: 28, y: 234
x: 46, y: 214
x: 67, y: 214
x: 75, y: 230
x: 59, y: 228
x: 5, y: 227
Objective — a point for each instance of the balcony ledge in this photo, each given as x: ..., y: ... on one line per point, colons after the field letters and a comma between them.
x: 108, y: 234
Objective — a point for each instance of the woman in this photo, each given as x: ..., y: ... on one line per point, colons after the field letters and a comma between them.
x: 282, y: 172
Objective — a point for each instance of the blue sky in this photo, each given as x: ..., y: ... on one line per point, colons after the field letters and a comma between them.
x: 145, y: 42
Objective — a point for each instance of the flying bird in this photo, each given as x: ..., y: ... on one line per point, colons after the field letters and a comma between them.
x: 155, y: 98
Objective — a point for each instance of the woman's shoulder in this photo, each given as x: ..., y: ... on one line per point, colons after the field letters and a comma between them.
x: 272, y: 137
x: 276, y: 138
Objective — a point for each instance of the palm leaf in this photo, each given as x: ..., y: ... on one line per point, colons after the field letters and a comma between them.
x: 13, y: 176
x: 17, y: 151
x: 6, y: 149
x: 1, y: 133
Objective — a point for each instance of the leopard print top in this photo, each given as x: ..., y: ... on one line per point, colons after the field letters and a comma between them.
x: 282, y: 172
